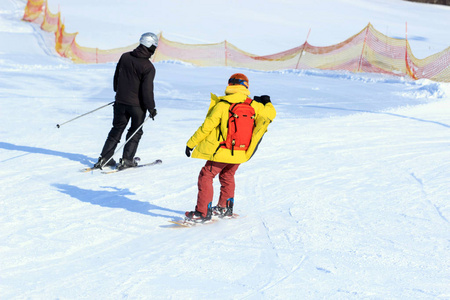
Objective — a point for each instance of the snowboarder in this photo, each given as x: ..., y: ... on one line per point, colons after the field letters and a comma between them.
x: 133, y: 84
x: 210, y: 142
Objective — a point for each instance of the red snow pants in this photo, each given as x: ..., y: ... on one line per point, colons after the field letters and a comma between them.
x: 205, y: 184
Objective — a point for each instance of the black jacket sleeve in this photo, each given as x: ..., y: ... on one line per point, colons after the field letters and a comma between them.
x: 116, y: 75
x: 147, y: 88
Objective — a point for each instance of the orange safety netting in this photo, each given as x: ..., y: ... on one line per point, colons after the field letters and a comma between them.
x: 367, y: 51
x: 33, y: 10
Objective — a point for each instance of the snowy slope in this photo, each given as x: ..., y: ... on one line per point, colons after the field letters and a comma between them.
x: 346, y: 198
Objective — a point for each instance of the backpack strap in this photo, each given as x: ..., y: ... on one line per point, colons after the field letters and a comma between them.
x: 249, y: 102
x: 232, y: 106
x: 220, y: 131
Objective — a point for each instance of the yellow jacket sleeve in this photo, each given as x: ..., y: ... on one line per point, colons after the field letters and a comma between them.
x: 211, y: 123
x: 266, y: 114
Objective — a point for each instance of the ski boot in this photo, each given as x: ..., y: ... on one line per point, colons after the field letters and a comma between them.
x: 128, y: 163
x: 101, y: 161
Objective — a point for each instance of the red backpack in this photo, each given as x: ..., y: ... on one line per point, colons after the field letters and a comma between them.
x: 241, y: 122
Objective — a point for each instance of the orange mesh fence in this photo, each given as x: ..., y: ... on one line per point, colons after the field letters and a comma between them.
x: 435, y: 67
x: 200, y: 55
x: 367, y: 51
x: 33, y: 10
x: 50, y: 21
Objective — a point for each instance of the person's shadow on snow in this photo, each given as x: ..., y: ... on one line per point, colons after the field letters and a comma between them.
x: 114, y: 199
x: 72, y: 156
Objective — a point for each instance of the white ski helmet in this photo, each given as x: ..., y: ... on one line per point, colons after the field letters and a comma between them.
x: 148, y: 39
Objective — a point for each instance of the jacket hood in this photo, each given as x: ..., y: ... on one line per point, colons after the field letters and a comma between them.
x: 235, y: 94
x: 141, y: 52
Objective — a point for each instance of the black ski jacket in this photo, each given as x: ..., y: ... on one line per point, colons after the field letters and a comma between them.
x: 133, y: 79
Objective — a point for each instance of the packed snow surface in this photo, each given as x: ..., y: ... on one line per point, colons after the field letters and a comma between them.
x: 346, y: 198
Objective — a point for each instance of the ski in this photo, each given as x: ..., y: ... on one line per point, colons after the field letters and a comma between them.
x: 156, y: 162
x: 85, y: 170
x: 183, y: 223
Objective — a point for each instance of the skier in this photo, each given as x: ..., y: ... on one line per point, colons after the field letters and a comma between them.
x: 133, y: 84
x: 209, y: 142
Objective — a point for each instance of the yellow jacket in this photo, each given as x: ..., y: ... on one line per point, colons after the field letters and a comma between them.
x: 207, y: 138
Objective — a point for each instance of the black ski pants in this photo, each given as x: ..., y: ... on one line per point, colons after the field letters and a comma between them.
x: 122, y: 115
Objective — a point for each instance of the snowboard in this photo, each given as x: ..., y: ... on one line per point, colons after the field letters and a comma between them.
x: 182, y: 223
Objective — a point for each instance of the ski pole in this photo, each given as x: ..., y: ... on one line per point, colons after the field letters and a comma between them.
x: 59, y: 125
x: 117, y: 150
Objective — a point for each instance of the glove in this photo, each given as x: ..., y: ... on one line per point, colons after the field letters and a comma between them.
x: 152, y: 113
x: 264, y: 99
x: 188, y: 151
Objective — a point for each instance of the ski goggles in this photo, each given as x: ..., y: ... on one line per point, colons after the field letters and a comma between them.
x: 236, y: 81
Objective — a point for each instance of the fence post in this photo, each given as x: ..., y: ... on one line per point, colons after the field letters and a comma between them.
x: 303, y: 49
x: 363, y: 47
x: 408, y: 68
x: 160, y: 42
x: 226, y: 54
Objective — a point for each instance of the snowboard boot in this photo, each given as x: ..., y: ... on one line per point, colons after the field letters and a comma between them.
x: 197, y: 217
x: 101, y: 161
x: 127, y: 163
x: 223, y: 212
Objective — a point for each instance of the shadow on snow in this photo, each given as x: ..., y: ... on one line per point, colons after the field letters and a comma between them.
x: 114, y: 199
x: 72, y: 156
